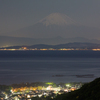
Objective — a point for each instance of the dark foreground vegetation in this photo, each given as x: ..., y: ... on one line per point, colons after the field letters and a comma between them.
x: 5, y: 88
x: 89, y: 91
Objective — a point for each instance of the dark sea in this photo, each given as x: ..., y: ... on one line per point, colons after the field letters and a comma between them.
x: 49, y: 66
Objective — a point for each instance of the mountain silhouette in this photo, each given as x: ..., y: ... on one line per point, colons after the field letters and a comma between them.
x: 57, y: 19
x: 19, y: 41
x: 57, y: 24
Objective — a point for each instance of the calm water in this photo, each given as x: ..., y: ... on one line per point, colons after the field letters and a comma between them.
x: 56, y: 66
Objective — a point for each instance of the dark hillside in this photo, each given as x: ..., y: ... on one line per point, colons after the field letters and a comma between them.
x: 89, y: 91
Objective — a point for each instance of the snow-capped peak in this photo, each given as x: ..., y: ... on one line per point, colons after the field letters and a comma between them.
x: 57, y: 19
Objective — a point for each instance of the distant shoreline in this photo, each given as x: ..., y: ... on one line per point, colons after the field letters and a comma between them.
x: 50, y: 49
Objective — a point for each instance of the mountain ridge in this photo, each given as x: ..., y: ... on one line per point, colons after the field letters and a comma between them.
x: 74, y: 45
x: 51, y: 26
x: 15, y: 41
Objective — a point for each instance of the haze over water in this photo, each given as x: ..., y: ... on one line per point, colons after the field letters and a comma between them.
x: 44, y: 66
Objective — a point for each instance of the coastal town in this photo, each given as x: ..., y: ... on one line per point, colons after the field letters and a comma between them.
x: 28, y: 92
x: 45, y: 49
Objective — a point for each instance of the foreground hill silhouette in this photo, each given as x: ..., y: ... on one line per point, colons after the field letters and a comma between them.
x: 89, y: 91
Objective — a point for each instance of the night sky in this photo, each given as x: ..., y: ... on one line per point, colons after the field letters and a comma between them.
x: 16, y: 14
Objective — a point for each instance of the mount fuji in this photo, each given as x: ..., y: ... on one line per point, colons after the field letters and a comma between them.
x: 54, y: 25
x: 57, y: 19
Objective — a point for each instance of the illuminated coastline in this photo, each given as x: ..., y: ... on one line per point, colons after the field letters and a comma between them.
x: 44, y: 49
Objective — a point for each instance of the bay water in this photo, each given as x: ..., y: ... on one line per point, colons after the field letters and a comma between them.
x: 49, y: 66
